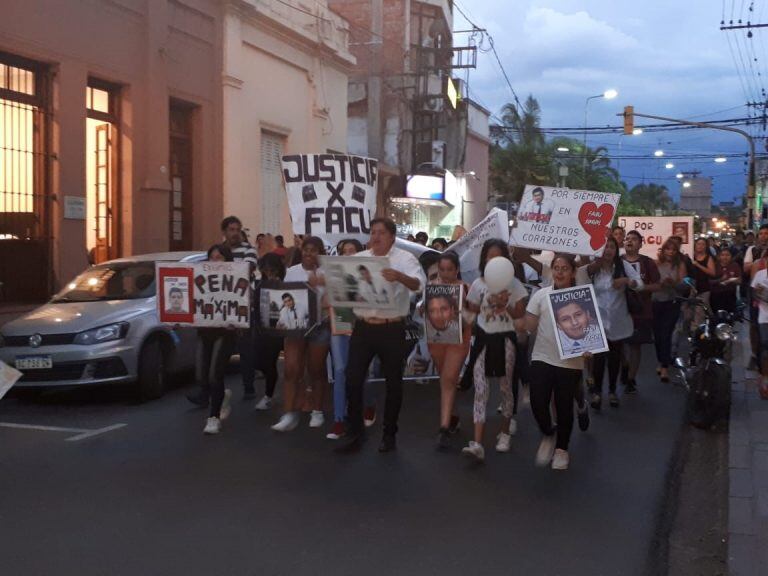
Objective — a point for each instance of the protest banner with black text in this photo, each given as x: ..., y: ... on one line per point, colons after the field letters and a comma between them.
x: 564, y: 220
x: 656, y: 229
x: 204, y: 294
x: 468, y: 247
x: 332, y: 196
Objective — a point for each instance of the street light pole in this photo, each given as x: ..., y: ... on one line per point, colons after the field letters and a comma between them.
x: 608, y: 95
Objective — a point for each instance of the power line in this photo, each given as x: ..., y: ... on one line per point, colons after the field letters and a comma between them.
x: 495, y: 53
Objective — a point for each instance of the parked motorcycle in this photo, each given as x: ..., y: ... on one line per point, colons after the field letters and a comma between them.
x: 706, y: 373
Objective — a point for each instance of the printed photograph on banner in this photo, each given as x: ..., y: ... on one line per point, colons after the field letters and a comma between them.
x: 442, y: 312
x: 564, y: 220
x: 176, y: 290
x: 342, y: 321
x: 681, y: 229
x: 287, y: 308
x: 331, y: 196
x: 357, y: 282
x: 578, y: 326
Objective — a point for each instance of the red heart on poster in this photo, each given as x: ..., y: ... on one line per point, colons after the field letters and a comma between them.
x: 595, y: 221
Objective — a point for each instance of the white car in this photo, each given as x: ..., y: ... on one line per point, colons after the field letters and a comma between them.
x: 102, y: 329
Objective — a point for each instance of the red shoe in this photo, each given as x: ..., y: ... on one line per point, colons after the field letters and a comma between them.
x: 369, y: 416
x: 337, y: 431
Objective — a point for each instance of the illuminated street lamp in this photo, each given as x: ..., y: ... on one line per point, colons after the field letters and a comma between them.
x: 679, y: 175
x: 637, y: 131
x: 659, y: 153
x: 721, y: 159
x: 609, y: 94
x: 686, y: 184
x: 669, y: 166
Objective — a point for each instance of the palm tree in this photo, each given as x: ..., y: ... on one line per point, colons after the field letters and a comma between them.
x: 523, y: 156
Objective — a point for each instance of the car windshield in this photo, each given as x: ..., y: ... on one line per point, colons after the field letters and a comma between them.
x: 116, y: 281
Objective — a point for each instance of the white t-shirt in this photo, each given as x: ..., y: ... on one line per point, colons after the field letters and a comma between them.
x: 495, y: 319
x: 545, y: 346
x: 761, y: 277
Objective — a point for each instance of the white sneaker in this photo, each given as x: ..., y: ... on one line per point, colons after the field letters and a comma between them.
x: 287, y: 422
x: 512, y: 427
x: 474, y: 450
x: 503, y: 442
x: 212, y: 426
x: 317, y: 420
x: 546, y: 450
x: 560, y: 460
x: 226, y: 405
x: 264, y: 404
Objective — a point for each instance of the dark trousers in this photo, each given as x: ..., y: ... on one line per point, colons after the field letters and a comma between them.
x: 665, y: 315
x: 268, y: 348
x: 214, y: 349
x: 613, y: 359
x: 547, y: 380
x: 387, y: 341
x: 246, y: 348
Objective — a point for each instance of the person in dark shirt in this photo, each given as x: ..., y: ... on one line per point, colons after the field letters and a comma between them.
x: 724, y: 285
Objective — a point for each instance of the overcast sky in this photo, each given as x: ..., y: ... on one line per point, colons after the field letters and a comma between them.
x: 665, y: 57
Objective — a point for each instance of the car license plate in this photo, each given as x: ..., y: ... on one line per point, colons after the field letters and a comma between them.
x: 34, y: 362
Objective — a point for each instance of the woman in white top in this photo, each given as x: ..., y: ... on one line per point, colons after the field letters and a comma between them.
x: 307, y: 352
x: 611, y: 276
x: 551, y: 376
x: 495, y: 342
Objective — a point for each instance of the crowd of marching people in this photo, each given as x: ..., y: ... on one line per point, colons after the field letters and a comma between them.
x: 509, y: 336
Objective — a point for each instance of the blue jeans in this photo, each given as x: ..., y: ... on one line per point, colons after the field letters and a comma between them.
x: 340, y: 359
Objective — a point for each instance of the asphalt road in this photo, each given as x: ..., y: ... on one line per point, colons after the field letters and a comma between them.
x: 156, y: 496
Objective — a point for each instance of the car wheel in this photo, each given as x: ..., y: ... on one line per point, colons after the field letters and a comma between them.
x: 152, y: 374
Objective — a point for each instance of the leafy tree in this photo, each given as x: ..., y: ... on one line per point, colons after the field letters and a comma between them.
x: 651, y: 197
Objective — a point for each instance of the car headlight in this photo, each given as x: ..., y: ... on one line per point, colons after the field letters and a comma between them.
x: 103, y: 334
x: 724, y: 331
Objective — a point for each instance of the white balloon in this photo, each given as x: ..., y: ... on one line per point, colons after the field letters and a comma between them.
x: 499, y: 273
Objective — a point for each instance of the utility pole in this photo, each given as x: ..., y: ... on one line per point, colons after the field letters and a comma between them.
x: 374, y: 81
x: 750, y: 141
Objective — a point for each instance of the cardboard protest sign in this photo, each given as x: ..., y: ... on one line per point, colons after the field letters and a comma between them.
x: 332, y: 196
x: 8, y: 377
x: 204, y: 294
x: 656, y: 229
x: 356, y: 282
x: 576, y: 318
x: 564, y: 220
x: 494, y: 225
x: 442, y: 313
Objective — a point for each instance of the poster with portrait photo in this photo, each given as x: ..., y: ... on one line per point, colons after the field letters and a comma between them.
x: 356, y: 282
x: 682, y: 229
x: 175, y: 290
x: 442, y: 313
x: 577, y: 322
x: 287, y: 308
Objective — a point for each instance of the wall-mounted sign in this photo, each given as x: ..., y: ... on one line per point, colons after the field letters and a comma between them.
x: 74, y: 207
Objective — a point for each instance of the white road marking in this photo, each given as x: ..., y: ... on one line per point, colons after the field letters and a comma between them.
x: 44, y: 428
x: 92, y: 433
x: 80, y: 433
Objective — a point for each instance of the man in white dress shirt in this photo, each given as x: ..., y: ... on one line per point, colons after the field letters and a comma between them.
x: 381, y: 332
x: 292, y: 316
x: 537, y: 210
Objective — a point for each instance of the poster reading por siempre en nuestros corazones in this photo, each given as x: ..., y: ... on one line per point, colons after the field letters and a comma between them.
x: 564, y: 220
x: 332, y: 196
x: 204, y: 294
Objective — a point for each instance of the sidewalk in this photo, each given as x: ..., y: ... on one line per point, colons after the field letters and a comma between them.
x: 748, y: 464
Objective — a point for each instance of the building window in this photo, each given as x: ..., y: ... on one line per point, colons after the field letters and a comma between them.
x: 180, y: 209
x: 272, y: 193
x: 101, y: 170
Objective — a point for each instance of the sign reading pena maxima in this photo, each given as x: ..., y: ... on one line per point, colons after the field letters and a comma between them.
x: 564, y: 220
x: 332, y: 196
x: 204, y: 294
